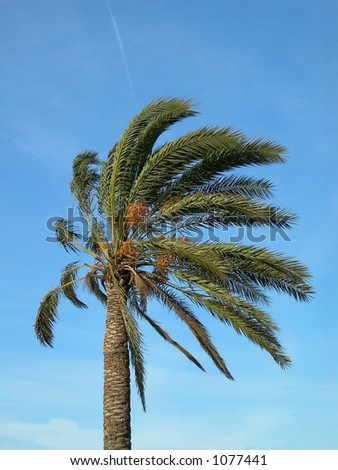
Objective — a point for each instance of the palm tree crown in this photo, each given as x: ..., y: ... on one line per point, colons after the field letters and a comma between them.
x: 143, y: 203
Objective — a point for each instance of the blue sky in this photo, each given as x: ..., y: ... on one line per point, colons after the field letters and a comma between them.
x: 70, y: 80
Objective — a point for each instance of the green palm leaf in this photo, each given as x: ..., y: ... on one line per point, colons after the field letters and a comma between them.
x: 171, y: 301
x: 268, y: 269
x: 104, y: 199
x: 136, y: 142
x: 85, y: 179
x: 243, y: 186
x: 255, y: 324
x: 229, y: 210
x: 46, y: 317
x: 142, y: 313
x: 239, y: 153
x: 91, y: 283
x: 167, y: 162
x: 66, y: 235
x: 185, y: 252
x: 68, y: 284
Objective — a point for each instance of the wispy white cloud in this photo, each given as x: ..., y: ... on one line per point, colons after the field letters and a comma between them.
x: 209, y: 413
x: 237, y: 430
x: 57, y: 433
x: 28, y: 150
x: 58, y: 385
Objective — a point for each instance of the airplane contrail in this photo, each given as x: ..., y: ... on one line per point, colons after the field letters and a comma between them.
x: 122, y: 51
x: 28, y: 150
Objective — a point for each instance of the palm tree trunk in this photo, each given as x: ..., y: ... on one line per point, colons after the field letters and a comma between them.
x: 116, y: 401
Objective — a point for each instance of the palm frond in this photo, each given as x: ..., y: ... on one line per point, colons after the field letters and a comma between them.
x: 68, y: 284
x: 228, y: 210
x: 141, y: 291
x: 170, y: 300
x: 140, y: 309
x: 85, y: 179
x: 66, y: 235
x: 234, y: 282
x: 268, y: 269
x: 246, y: 320
x: 252, y: 329
x: 243, y: 186
x: 131, y: 150
x: 97, y: 240
x: 92, y: 285
x: 215, y: 291
x: 239, y: 152
x: 167, y: 337
x: 46, y: 317
x: 245, y: 288
x: 172, y: 158
x: 165, y: 114
x: 105, y: 201
x: 184, y: 251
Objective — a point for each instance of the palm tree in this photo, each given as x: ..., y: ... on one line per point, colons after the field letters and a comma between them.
x: 141, y: 206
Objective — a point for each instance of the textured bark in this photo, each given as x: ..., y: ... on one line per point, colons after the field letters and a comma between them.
x: 116, y: 401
